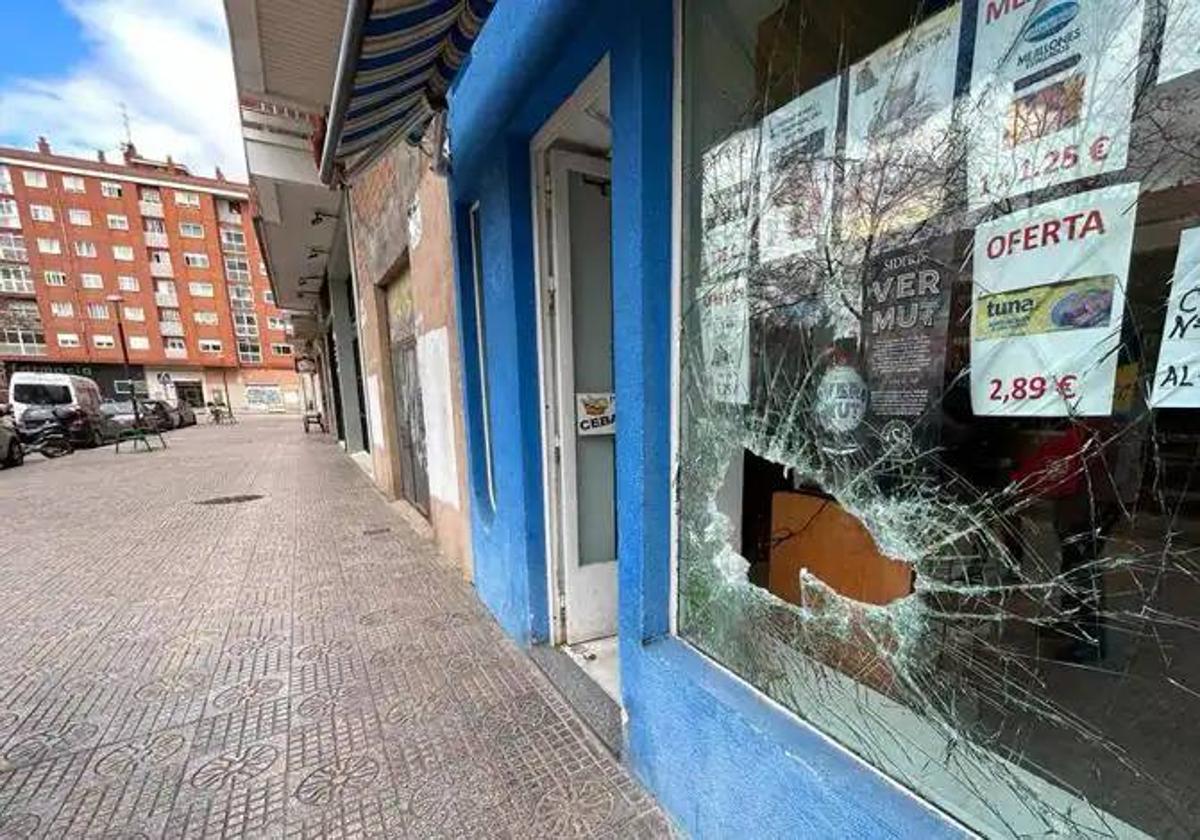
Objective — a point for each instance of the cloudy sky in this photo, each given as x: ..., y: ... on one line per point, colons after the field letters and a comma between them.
x: 69, y: 64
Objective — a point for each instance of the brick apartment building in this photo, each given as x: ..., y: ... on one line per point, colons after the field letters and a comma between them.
x: 179, y: 251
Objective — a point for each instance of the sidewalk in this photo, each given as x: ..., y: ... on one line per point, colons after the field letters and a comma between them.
x: 296, y: 665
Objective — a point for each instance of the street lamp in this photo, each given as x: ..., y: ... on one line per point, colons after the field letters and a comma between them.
x: 116, y: 301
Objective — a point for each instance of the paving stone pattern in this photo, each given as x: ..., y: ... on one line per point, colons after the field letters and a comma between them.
x: 300, y: 665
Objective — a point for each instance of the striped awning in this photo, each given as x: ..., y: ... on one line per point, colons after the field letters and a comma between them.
x: 398, y: 60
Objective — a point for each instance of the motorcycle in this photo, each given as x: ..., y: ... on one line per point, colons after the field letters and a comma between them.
x: 44, y: 429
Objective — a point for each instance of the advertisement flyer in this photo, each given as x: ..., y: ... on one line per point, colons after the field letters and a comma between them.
x: 906, y: 312
x: 1180, y: 41
x: 1052, y: 90
x: 727, y: 203
x: 898, y: 138
x: 796, y: 184
x: 1177, y: 377
x: 1048, y: 300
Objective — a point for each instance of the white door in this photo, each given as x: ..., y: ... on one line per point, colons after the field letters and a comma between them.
x: 580, y: 317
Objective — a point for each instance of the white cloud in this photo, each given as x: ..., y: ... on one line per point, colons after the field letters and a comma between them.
x: 167, y: 60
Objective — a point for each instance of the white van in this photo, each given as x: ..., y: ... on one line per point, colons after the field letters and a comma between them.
x: 26, y: 388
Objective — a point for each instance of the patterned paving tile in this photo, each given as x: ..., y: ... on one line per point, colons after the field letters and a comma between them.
x: 301, y: 666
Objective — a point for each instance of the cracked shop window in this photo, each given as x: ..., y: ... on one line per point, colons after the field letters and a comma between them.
x: 939, y: 485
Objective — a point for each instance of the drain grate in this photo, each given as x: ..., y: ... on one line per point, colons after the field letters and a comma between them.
x: 230, y: 500
x: 374, y: 532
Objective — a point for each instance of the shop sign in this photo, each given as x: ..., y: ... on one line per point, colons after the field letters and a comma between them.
x: 595, y: 414
x: 1181, y: 33
x: 1047, y: 304
x: 906, y: 300
x: 796, y: 184
x: 898, y: 139
x: 1177, y: 378
x: 1052, y: 88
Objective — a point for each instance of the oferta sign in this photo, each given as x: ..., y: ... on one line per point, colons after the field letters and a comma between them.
x: 1052, y: 89
x: 1049, y: 297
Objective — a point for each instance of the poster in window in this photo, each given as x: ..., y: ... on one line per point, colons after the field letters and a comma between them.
x: 1052, y: 90
x: 1177, y: 377
x: 898, y: 138
x: 1047, y: 304
x: 1180, y: 52
x: 796, y: 184
x: 727, y: 206
x: 906, y: 312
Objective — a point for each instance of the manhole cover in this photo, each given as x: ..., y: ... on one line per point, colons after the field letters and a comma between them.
x: 230, y: 500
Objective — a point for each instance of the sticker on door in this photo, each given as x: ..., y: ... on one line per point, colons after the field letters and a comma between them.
x: 595, y: 414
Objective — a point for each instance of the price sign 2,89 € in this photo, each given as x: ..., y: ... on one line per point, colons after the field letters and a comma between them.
x: 1048, y: 300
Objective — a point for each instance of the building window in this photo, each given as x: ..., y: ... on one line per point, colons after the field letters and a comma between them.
x: 91, y: 281
x: 281, y: 349
x: 233, y: 241
x: 480, y: 336
x: 49, y: 246
x: 10, y: 216
x: 191, y: 230
x: 73, y: 184
x: 97, y: 311
x: 152, y: 225
x: 204, y: 317
x: 23, y: 341
x: 122, y: 253
x: 41, y: 213
x: 245, y: 324
x: 175, y: 344
x: 134, y: 313
x: 6, y: 184
x: 249, y: 352
x: 193, y: 260
x: 126, y: 283
x: 110, y: 189
x: 117, y: 221
x: 187, y: 199
x: 55, y: 278
x: 276, y: 323
x: 237, y: 270
x: 103, y: 342
x: 79, y: 217
x: 68, y: 339
x: 209, y: 345
x: 268, y: 297
x: 84, y: 248
x: 34, y: 178
x: 138, y: 342
x: 919, y: 481
x: 201, y: 289
x: 149, y: 195
x: 13, y: 248
x: 15, y: 279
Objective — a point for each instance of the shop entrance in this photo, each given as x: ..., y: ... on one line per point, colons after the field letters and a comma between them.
x: 570, y: 156
x: 191, y: 393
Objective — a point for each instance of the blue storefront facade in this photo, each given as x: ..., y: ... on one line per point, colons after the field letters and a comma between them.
x: 751, y: 707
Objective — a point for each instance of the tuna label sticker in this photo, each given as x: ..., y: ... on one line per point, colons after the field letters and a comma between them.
x: 1048, y: 301
x: 1177, y: 379
x: 595, y: 414
x: 1052, y: 92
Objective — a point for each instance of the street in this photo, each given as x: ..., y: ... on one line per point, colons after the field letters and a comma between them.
x: 237, y: 636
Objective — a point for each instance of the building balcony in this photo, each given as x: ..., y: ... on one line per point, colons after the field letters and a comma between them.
x: 161, y: 269
x: 10, y: 349
x: 155, y: 239
x: 153, y: 209
x: 236, y: 249
x: 170, y: 328
x: 245, y: 332
x: 228, y: 218
x: 175, y: 352
x: 166, y: 299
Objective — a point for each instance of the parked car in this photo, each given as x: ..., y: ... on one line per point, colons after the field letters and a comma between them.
x: 119, y: 413
x: 85, y: 425
x: 158, y: 415
x: 187, y: 414
x: 11, y: 452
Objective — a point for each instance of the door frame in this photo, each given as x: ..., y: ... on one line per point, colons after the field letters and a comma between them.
x: 554, y: 496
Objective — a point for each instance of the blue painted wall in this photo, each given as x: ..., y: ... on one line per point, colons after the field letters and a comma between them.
x: 721, y: 759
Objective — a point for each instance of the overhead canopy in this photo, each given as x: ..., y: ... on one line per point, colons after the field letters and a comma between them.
x: 397, y: 61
